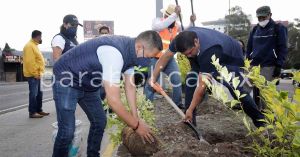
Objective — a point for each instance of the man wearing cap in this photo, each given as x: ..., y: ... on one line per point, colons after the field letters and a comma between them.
x: 83, y: 70
x: 267, y: 47
x: 199, y: 45
x: 168, y: 29
x: 67, y: 38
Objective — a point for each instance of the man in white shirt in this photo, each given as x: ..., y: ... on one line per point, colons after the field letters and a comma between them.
x: 66, y: 39
x: 168, y: 28
x: 79, y: 75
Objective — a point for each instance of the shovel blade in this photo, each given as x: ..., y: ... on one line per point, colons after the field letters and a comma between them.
x: 198, y: 134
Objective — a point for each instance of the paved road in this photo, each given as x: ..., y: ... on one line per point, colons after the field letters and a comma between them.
x: 16, y: 94
x: 286, y: 85
x: 25, y: 137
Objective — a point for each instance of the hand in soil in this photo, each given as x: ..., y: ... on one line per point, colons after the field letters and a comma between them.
x: 145, y: 132
x: 188, y: 116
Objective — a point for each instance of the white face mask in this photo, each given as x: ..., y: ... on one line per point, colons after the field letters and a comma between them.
x: 263, y: 23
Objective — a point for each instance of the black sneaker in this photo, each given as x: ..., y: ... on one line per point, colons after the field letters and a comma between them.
x: 181, y: 106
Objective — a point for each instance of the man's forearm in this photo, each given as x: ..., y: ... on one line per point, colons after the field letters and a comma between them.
x: 114, y: 101
x: 198, y: 94
x: 130, y: 92
x: 120, y: 110
x: 161, y: 64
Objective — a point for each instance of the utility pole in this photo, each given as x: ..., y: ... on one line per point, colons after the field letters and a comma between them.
x: 229, y: 8
x: 228, y: 15
x: 159, y: 5
x: 296, y: 46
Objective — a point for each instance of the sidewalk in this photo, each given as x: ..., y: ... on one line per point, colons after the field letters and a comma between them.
x: 24, y: 137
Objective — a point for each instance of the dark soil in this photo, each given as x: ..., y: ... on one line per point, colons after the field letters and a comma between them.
x: 219, y: 126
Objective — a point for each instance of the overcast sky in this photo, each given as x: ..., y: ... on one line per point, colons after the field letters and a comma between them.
x: 19, y: 17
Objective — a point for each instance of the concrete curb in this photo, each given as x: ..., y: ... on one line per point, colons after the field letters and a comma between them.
x: 21, y: 107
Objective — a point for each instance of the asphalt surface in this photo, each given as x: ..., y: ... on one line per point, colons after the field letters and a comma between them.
x: 21, y: 136
x: 17, y: 93
x: 287, y: 85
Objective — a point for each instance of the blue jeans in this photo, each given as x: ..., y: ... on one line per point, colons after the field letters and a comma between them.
x: 172, y: 71
x: 66, y: 99
x: 35, y: 95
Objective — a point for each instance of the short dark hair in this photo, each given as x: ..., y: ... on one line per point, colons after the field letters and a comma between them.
x: 36, y: 33
x: 185, y: 40
x: 151, y: 39
x: 103, y: 27
x: 62, y: 29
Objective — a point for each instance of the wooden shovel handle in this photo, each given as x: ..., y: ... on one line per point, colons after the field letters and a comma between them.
x: 158, y: 88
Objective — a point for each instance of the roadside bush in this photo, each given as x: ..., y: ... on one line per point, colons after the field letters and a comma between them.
x: 281, y: 134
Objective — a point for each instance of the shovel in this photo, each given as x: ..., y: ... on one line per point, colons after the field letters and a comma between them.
x: 158, y: 88
x: 176, y: 1
x: 192, y: 6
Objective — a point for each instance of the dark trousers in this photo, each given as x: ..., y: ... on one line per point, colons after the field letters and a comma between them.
x: 35, y: 95
x: 203, y: 65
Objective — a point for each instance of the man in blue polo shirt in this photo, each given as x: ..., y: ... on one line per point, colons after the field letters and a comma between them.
x: 200, y: 44
x: 79, y: 75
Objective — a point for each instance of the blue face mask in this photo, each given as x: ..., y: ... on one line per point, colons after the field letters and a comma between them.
x: 142, y: 62
x: 71, y: 32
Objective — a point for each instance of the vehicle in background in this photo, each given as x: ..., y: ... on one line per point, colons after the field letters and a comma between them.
x: 286, y: 74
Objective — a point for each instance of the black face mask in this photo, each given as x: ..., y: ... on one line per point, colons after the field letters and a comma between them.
x: 41, y: 41
x: 71, y: 32
x: 172, y: 25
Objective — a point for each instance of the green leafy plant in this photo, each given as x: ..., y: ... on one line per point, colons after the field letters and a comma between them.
x: 145, y: 111
x: 184, y: 66
x: 218, y: 90
x: 296, y: 78
x: 282, y: 118
x: 281, y: 134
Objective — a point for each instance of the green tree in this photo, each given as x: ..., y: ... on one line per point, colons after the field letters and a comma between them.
x: 293, y: 57
x: 238, y: 24
x: 297, y: 23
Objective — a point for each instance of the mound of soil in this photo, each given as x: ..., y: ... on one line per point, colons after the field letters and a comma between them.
x: 219, y: 126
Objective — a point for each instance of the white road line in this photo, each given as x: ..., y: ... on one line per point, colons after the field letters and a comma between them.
x: 44, y: 90
x: 21, y: 106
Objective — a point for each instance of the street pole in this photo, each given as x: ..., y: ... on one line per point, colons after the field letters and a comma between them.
x: 159, y: 5
x: 296, y: 47
x: 228, y: 15
x: 229, y: 8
